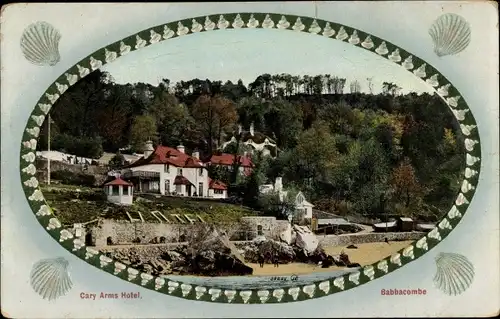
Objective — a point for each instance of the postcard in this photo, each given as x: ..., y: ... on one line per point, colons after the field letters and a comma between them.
x: 259, y: 159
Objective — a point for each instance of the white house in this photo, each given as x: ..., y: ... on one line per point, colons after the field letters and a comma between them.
x: 302, y: 206
x: 119, y: 191
x: 171, y: 171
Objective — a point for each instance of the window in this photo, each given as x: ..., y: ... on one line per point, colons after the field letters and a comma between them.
x: 179, y: 171
x: 218, y: 191
x: 259, y: 230
x: 201, y: 171
x: 200, y: 189
x: 125, y: 190
x: 115, y: 190
x: 167, y: 168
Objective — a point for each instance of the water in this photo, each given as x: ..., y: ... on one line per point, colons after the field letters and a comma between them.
x: 260, y: 282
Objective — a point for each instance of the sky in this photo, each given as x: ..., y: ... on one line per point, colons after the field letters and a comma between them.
x: 247, y: 53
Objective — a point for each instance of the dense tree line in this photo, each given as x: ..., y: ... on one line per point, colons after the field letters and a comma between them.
x: 349, y: 152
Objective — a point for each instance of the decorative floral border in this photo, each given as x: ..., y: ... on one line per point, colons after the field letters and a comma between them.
x: 159, y: 33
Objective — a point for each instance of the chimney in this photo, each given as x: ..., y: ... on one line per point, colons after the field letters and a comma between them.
x: 196, y: 154
x: 278, y: 184
x: 180, y: 148
x: 148, y: 149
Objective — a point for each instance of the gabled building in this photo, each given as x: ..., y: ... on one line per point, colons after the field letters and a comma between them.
x: 170, y: 171
x: 229, y: 160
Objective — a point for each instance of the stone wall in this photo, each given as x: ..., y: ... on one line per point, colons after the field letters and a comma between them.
x: 123, y: 232
x: 348, y: 239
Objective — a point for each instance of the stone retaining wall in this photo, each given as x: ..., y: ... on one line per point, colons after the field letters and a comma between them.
x: 348, y: 239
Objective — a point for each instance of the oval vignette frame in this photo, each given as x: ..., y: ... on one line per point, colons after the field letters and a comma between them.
x: 290, y: 293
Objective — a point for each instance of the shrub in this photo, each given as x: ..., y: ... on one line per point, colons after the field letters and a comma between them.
x: 71, y: 178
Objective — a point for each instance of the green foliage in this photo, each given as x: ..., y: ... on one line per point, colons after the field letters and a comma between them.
x: 117, y: 161
x: 79, y: 146
x: 142, y: 130
x: 71, y: 178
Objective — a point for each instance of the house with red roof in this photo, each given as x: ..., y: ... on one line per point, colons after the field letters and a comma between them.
x: 170, y: 171
x: 229, y: 160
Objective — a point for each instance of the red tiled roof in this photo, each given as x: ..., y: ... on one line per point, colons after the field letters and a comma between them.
x: 181, y: 180
x: 214, y: 184
x: 228, y: 159
x: 168, y: 155
x: 118, y: 181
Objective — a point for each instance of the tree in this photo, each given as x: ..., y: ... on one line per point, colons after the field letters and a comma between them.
x: 404, y: 182
x: 391, y: 88
x: 117, y: 161
x: 143, y: 129
x: 214, y: 114
x: 355, y: 86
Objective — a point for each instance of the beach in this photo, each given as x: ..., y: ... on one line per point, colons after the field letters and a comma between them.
x: 365, y: 254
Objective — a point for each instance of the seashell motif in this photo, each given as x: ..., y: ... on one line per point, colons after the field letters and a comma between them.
x: 50, y: 278
x: 154, y: 37
x: 64, y: 235
x: 310, y: 289
x: 119, y: 267
x: 61, y: 87
x: 420, y: 72
x: 342, y: 35
x: 167, y: 33
x: 453, y: 101
x: 324, y: 286
x: 354, y: 277
x: 223, y: 23
x: 382, y: 49
x: 469, y: 144
x: 159, y: 282
x: 454, y: 273
x: 238, y: 22
x: 314, y: 28
x: 278, y: 294
x: 245, y: 295
x: 383, y: 266
x: 96, y: 64
x: 461, y: 200
x: 40, y: 44
x: 71, y: 78
x: 186, y: 289
x: 30, y: 157
x: 110, y: 56
x: 209, y: 25
x: 32, y: 182
x: 252, y: 22
x: 294, y: 292
x: 460, y: 114
x: 263, y: 295
x: 84, y: 71
x: 408, y: 63
x: 408, y: 252
x: 445, y: 224
x: 369, y: 272
x: 454, y: 213
x: 44, y: 107
x: 140, y: 42
x: 38, y: 197
x: 214, y: 292
x: 339, y: 282
x: 394, y: 56
x: 328, y: 30
x: 200, y: 291
x: 450, y: 33
x: 33, y: 131
x: 195, y: 26
x: 267, y: 23
x: 182, y: 30
x: 422, y: 243
x: 90, y: 252
x: 434, y: 234
x: 283, y: 23
x: 30, y: 169
x: 132, y: 273
x: 466, y: 186
x: 77, y: 244
x: 471, y: 160
x: 354, y: 38
x: 105, y: 260
x: 396, y: 259
x: 467, y: 129
x: 172, y: 286
x: 433, y: 80
x: 124, y: 49
x: 31, y: 144
x: 470, y: 173
x: 368, y: 43
x: 298, y: 26
x: 145, y: 278
x: 443, y: 91
x: 52, y: 97
x: 230, y: 294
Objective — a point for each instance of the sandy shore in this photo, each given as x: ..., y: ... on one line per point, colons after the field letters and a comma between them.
x: 365, y: 254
